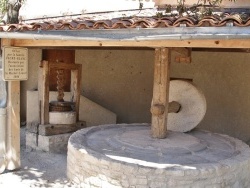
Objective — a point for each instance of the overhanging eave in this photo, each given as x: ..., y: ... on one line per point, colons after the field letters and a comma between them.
x: 208, y: 37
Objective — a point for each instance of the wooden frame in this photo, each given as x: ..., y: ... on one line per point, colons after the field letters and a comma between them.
x: 13, y: 121
x: 189, y: 43
x: 76, y: 70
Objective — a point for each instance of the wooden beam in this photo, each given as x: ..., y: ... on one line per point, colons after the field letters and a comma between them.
x: 174, y: 107
x: 179, y: 59
x: 183, y: 55
x: 76, y: 87
x: 13, y: 121
x: 48, y: 130
x: 183, y: 51
x: 160, y: 92
x: 13, y: 125
x: 45, y: 93
x: 194, y: 43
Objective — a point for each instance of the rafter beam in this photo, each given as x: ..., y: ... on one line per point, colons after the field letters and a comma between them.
x: 195, y: 43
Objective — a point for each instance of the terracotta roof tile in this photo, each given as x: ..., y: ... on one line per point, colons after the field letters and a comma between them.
x: 84, y: 23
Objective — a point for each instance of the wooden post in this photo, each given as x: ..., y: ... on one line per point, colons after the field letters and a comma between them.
x: 13, y: 125
x: 45, y: 93
x: 75, y: 87
x: 160, y: 93
x: 13, y: 121
x: 174, y: 107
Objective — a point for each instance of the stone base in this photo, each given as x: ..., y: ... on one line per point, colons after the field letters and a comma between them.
x: 51, y: 137
x: 62, y: 117
x: 53, y: 144
x: 126, y: 156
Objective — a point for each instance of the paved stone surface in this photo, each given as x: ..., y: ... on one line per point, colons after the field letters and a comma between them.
x: 193, y: 106
x: 126, y: 156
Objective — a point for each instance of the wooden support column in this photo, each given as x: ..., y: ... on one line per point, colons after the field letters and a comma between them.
x: 160, y: 92
x: 13, y: 121
x: 75, y: 87
x: 45, y: 93
x: 13, y: 125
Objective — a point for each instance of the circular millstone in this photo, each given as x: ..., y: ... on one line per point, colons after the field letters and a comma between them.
x: 193, y: 106
x: 125, y: 153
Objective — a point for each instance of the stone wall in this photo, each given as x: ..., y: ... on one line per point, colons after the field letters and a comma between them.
x: 90, y: 167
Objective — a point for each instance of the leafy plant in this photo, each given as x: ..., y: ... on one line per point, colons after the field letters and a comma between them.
x: 10, y: 9
x: 3, y: 6
x: 203, y: 7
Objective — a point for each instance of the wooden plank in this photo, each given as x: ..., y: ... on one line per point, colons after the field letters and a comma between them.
x: 45, y: 94
x: 180, y: 59
x: 59, y: 56
x: 160, y: 92
x: 194, y: 43
x: 183, y: 55
x: 174, y: 107
x: 63, y: 66
x: 78, y: 91
x: 48, y: 130
x: 13, y: 125
x: 13, y: 121
x: 185, y: 52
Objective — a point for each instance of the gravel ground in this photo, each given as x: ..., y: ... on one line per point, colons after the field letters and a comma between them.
x: 38, y: 169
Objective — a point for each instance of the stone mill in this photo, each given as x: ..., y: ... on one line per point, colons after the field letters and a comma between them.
x: 126, y: 155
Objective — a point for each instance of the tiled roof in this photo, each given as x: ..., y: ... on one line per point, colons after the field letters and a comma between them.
x: 85, y: 23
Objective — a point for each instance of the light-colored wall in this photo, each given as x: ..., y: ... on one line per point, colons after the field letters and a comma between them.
x: 225, y: 80
x: 121, y: 80
x: 34, y: 57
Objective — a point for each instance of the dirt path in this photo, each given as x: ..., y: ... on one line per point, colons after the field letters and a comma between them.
x: 38, y: 169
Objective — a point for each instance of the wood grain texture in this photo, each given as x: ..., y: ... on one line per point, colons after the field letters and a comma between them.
x: 160, y: 92
x: 45, y: 94
x: 13, y: 121
x: 48, y: 130
x: 154, y: 43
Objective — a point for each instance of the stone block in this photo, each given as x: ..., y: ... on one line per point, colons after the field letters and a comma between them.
x: 32, y: 127
x: 62, y: 117
x: 54, y: 143
x: 31, y: 140
x: 94, y: 114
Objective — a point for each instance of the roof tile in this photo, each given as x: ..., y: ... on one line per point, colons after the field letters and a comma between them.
x: 88, y: 23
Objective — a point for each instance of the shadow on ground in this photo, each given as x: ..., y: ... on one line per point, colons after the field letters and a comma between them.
x: 38, y: 169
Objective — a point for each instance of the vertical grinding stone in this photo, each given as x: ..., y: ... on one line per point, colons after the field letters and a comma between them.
x: 193, y: 106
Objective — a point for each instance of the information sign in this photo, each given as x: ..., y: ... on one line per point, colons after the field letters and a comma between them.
x: 15, y: 63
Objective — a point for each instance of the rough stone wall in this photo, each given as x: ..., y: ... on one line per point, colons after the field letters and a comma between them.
x: 91, y: 169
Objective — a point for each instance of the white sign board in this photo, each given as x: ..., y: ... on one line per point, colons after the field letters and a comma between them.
x: 15, y: 63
